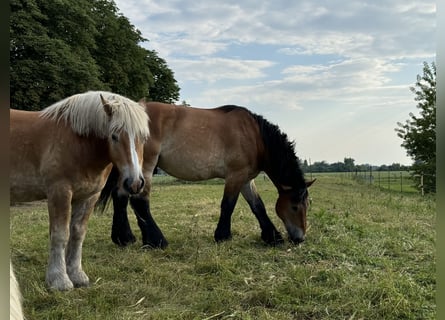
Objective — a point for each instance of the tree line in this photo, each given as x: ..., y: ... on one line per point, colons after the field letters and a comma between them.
x: 348, y: 165
x: 59, y: 48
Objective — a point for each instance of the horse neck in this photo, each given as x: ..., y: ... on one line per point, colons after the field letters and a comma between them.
x: 282, y: 173
x: 278, y: 157
x: 92, y: 152
x: 274, y: 177
x: 101, y: 152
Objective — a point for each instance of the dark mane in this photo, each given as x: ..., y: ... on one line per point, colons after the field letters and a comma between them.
x: 282, y: 164
x: 229, y: 108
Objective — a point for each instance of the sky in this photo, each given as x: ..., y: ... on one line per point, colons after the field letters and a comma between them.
x: 335, y: 76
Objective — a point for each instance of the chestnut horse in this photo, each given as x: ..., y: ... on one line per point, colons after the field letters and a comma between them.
x: 228, y: 142
x: 65, y: 153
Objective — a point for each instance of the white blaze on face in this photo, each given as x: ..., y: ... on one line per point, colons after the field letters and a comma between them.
x: 133, y: 171
x: 134, y: 158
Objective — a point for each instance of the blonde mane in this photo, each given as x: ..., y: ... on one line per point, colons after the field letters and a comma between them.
x: 15, y: 297
x: 85, y: 114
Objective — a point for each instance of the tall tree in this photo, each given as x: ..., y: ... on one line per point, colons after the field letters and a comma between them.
x: 49, y: 57
x: 62, y: 47
x: 164, y: 87
x: 121, y: 59
x: 419, y: 132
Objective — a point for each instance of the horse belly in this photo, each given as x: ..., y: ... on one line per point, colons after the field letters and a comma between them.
x: 192, y: 168
x: 26, y: 188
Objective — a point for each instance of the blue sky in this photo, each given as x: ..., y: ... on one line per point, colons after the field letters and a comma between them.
x: 334, y: 75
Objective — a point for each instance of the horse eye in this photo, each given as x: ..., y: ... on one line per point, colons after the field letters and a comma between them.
x: 295, y: 208
x: 115, y: 137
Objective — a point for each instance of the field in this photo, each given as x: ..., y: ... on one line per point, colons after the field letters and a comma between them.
x: 369, y: 254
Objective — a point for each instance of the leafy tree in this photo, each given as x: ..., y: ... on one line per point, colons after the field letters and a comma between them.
x: 320, y: 166
x: 126, y: 67
x: 49, y: 58
x: 305, y: 166
x: 419, y: 132
x: 117, y: 52
x: 62, y: 47
x: 164, y: 87
x: 349, y: 164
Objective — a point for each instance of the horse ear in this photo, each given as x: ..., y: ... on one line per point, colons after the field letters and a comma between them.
x: 309, y: 182
x: 106, y: 105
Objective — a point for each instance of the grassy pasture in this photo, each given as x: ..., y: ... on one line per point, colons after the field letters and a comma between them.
x: 369, y: 254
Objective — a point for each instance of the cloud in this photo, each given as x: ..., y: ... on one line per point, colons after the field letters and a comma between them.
x: 327, y: 66
x: 357, y: 83
x: 262, y: 98
x: 213, y: 69
x: 355, y: 74
x: 308, y: 27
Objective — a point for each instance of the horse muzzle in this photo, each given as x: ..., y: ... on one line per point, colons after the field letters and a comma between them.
x: 296, y: 235
x: 134, y: 186
x: 296, y: 240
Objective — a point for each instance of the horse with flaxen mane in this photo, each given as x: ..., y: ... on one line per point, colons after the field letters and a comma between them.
x: 65, y: 153
x: 228, y: 142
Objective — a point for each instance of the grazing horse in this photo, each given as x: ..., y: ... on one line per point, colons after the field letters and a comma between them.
x: 228, y: 142
x: 65, y: 153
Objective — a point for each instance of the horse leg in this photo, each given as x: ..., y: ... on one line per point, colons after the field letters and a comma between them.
x: 152, y: 236
x: 269, y: 233
x: 59, y: 209
x: 81, y: 211
x: 121, y: 233
x: 228, y: 203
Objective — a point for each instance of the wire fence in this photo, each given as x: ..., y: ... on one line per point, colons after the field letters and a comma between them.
x: 397, y: 181
x: 401, y: 181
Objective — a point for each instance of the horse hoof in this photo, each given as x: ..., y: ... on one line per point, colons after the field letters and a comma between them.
x: 273, y: 238
x: 79, y: 279
x: 162, y: 244
x: 123, y: 241
x: 59, y: 283
x: 222, y: 237
x: 222, y: 234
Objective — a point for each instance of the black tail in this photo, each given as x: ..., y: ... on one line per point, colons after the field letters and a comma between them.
x: 105, y: 194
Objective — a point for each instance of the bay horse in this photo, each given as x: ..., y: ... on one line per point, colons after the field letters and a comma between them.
x: 228, y: 142
x: 64, y: 154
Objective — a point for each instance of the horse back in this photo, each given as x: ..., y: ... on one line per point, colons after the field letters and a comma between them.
x: 198, y: 144
x: 34, y: 138
x: 39, y: 156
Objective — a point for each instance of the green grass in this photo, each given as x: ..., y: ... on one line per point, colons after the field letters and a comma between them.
x: 369, y: 254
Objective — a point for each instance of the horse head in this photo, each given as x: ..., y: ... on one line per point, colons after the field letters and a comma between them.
x: 291, y: 207
x: 126, y: 143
